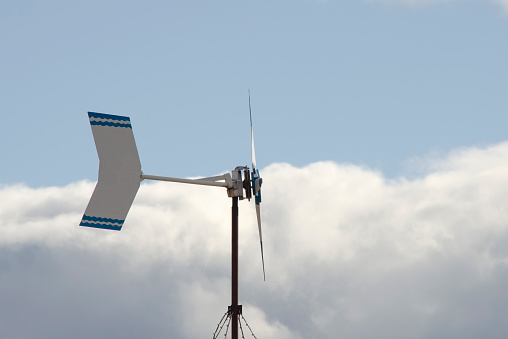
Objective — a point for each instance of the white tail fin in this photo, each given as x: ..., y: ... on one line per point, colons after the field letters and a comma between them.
x: 119, y: 172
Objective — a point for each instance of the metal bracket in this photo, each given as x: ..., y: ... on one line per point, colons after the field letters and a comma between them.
x: 209, y: 181
x: 234, y: 182
x: 237, y: 188
x: 247, y: 183
x: 230, y: 310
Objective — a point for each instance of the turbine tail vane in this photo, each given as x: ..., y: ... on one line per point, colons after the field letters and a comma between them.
x: 119, y: 172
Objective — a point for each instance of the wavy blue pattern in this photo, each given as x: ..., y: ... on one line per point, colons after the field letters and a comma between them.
x: 108, y: 116
x: 90, y: 218
x: 110, y: 124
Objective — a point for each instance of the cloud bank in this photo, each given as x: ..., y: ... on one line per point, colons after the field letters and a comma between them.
x: 503, y: 3
x: 419, y: 3
x: 348, y: 253
x: 411, y: 2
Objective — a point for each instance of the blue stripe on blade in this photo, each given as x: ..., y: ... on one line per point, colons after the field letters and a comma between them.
x: 97, y: 219
x: 110, y: 124
x: 108, y: 116
x: 109, y: 120
x: 103, y: 226
x: 99, y: 222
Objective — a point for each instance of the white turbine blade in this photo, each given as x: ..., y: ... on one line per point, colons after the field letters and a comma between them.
x: 253, y: 153
x: 119, y: 172
x: 258, y: 213
x: 256, y: 187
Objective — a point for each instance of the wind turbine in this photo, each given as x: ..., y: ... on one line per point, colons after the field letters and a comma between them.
x: 120, y: 176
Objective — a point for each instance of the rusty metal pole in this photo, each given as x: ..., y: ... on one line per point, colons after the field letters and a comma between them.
x: 234, y: 269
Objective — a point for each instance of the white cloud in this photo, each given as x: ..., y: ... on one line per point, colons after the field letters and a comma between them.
x: 419, y: 3
x: 504, y: 4
x: 348, y: 254
x: 411, y: 2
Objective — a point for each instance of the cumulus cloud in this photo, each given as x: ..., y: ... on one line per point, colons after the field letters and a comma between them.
x: 348, y: 253
x: 418, y: 3
x: 503, y: 3
x: 415, y: 3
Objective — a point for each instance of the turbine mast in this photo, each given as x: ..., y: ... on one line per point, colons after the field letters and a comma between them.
x: 237, y: 192
x: 236, y: 309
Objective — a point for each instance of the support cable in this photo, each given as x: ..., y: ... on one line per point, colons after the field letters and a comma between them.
x: 227, y: 327
x: 221, y: 324
x: 246, y: 323
x: 226, y: 320
x: 241, y: 329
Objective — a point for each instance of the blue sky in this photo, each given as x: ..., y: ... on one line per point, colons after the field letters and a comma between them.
x: 365, y: 82
x: 380, y: 131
